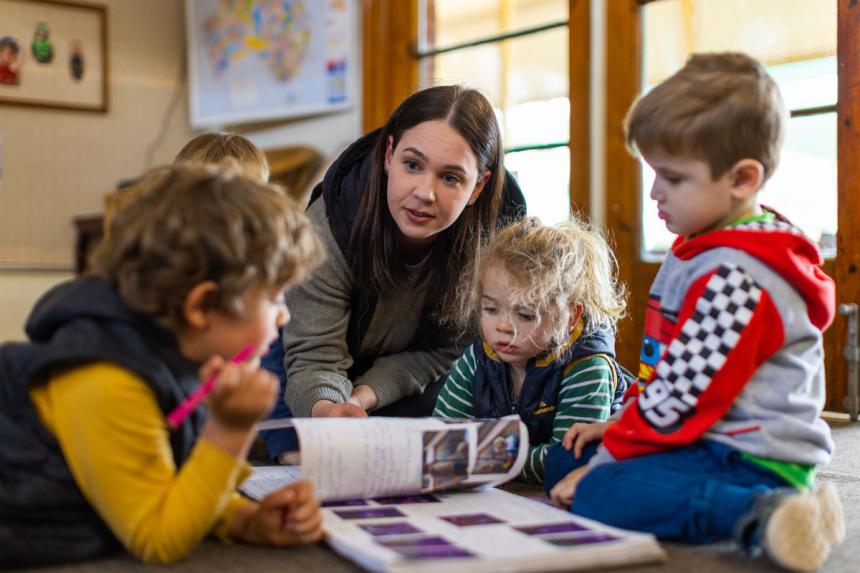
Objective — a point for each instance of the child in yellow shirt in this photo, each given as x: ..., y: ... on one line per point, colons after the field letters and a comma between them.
x: 192, y: 271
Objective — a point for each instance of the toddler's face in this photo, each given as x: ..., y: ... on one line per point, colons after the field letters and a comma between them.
x: 512, y: 330
x: 688, y: 200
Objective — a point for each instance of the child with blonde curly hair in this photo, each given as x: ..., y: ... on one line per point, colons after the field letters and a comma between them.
x: 548, y: 301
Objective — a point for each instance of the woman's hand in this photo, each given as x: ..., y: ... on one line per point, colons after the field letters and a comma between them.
x: 328, y: 409
x: 287, y: 516
x: 579, y: 434
x: 563, y: 492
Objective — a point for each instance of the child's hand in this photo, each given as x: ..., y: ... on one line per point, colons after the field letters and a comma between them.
x: 563, y: 492
x: 287, y: 516
x: 580, y: 434
x: 242, y: 395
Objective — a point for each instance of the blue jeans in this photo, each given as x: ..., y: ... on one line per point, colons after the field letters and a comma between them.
x: 560, y: 462
x: 695, y: 494
x: 286, y: 439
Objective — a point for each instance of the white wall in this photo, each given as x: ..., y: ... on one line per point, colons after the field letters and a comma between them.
x: 18, y: 291
x: 77, y: 157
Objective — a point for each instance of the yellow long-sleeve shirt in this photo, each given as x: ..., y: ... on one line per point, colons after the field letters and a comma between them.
x: 115, y: 441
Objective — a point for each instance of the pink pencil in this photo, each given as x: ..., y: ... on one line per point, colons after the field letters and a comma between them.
x: 189, y: 404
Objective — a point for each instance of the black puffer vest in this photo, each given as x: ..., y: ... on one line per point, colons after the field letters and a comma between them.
x: 537, y: 404
x: 44, y: 518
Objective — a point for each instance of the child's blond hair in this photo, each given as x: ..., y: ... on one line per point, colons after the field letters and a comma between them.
x: 229, y: 151
x: 719, y: 108
x: 184, y: 225
x: 554, y: 268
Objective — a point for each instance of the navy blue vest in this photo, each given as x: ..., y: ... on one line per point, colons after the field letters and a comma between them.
x: 44, y: 517
x: 537, y: 404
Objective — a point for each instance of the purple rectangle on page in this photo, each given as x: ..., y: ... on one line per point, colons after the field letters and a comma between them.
x: 580, y: 540
x: 398, y: 528
x: 432, y: 552
x: 404, y: 499
x: 545, y: 528
x: 343, y: 503
x: 368, y: 513
x: 468, y: 519
x: 413, y: 541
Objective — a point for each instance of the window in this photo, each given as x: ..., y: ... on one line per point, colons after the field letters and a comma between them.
x: 796, y: 40
x: 516, y: 53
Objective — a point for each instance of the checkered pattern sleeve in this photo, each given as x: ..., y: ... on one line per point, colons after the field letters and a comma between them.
x: 456, y: 399
x: 726, y: 328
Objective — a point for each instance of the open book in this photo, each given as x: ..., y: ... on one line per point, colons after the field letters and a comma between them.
x: 417, y: 495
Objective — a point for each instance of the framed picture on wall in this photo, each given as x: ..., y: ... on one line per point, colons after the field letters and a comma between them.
x: 258, y: 60
x: 53, y: 53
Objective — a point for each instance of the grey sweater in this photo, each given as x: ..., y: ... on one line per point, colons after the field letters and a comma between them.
x: 315, y: 344
x: 735, y: 332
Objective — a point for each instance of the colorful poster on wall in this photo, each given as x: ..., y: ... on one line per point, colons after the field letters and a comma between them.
x: 54, y: 54
x: 255, y: 60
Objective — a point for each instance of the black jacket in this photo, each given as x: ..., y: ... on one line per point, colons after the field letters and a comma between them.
x: 44, y: 517
x: 342, y: 188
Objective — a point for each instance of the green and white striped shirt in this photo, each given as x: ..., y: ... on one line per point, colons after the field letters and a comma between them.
x: 585, y: 395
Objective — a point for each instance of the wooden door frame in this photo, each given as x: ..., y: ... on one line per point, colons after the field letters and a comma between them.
x: 622, y: 172
x: 623, y: 182
x: 848, y: 182
x: 579, y: 93
x: 389, y: 67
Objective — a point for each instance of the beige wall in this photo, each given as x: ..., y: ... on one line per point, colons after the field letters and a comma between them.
x: 57, y: 164
x: 18, y: 291
x: 60, y: 163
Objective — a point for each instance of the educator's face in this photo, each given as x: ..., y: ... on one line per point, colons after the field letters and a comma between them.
x: 432, y: 176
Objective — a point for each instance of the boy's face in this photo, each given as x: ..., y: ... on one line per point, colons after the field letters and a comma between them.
x: 688, y: 200
x: 265, y: 312
x: 512, y: 330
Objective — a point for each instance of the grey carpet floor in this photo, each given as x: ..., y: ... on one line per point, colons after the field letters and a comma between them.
x: 844, y: 471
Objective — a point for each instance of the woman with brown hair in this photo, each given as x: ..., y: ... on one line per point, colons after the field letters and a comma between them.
x: 404, y: 212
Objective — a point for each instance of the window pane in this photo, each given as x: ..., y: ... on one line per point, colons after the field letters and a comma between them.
x: 656, y: 239
x: 543, y: 177
x: 774, y: 31
x: 525, y: 79
x: 537, y: 122
x: 803, y: 188
x: 453, y: 22
x: 796, y: 39
x: 808, y: 83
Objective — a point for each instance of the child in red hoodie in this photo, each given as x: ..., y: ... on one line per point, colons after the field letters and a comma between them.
x: 722, y: 436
